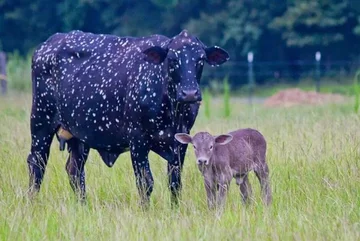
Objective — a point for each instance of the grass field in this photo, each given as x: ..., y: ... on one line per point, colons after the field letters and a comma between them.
x: 314, y: 160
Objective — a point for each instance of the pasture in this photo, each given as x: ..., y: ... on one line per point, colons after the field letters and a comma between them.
x: 313, y: 156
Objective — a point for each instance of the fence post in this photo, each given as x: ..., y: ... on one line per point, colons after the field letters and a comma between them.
x: 250, y: 58
x: 3, y: 78
x: 317, y: 72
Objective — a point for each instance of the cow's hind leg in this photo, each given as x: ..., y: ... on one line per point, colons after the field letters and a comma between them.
x: 43, y: 128
x: 75, y: 166
x: 38, y: 158
x: 139, y: 149
x: 262, y: 173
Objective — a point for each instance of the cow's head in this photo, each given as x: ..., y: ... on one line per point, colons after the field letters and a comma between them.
x: 184, y: 56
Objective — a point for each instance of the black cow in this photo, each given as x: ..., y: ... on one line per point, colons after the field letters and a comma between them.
x: 115, y: 94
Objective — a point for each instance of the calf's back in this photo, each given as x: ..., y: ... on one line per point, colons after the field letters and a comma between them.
x: 246, y: 150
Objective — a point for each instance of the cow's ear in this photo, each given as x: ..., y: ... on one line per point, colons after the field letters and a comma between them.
x: 183, y: 138
x: 223, y: 139
x: 216, y: 55
x: 155, y: 54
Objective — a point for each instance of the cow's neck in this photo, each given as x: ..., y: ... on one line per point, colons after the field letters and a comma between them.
x: 179, y: 117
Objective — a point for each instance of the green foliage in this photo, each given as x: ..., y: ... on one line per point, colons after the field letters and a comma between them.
x: 206, y: 100
x: 274, y: 30
x: 165, y: 3
x: 317, y: 23
x: 237, y: 24
x: 19, y: 72
x: 226, y: 96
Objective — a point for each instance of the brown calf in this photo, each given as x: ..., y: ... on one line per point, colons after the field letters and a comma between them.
x: 220, y: 158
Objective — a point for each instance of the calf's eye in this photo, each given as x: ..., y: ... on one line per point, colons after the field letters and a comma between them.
x: 211, y: 147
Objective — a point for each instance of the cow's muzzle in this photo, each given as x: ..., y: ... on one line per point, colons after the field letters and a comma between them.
x: 189, y: 96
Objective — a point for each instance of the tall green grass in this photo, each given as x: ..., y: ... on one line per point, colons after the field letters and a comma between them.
x: 357, y: 91
x: 19, y: 72
x: 314, y: 160
x: 226, y: 96
x: 207, y: 102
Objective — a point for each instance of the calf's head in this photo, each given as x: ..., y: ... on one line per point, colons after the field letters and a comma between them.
x: 204, y: 144
x: 184, y: 56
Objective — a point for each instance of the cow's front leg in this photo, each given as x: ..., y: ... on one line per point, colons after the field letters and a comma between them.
x: 139, y: 148
x: 174, y: 173
x: 78, y: 154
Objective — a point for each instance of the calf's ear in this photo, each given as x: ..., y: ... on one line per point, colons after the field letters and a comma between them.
x: 183, y: 138
x: 223, y: 139
x: 216, y: 55
x: 155, y: 54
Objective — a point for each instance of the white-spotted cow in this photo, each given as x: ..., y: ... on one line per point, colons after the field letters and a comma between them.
x: 115, y: 94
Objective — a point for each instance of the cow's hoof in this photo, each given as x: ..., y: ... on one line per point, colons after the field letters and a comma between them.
x: 32, y: 192
x: 82, y: 200
x: 174, y: 202
x: 145, y: 204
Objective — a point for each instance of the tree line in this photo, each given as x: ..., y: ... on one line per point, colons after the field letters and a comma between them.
x: 275, y: 30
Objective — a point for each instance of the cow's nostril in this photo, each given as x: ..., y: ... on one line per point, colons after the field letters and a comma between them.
x: 190, y: 93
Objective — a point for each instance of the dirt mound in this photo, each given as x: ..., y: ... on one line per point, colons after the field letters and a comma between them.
x: 291, y: 97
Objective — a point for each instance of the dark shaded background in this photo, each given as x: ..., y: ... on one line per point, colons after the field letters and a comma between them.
x: 284, y: 35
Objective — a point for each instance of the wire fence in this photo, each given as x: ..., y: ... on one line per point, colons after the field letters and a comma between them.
x: 251, y: 73
x: 239, y: 73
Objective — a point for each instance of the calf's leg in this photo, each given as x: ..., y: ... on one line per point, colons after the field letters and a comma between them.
x: 78, y: 154
x: 210, y: 188
x: 222, y: 189
x: 245, y: 188
x: 262, y: 173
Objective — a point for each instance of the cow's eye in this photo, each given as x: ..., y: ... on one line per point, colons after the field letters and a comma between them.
x: 211, y: 147
x: 194, y: 147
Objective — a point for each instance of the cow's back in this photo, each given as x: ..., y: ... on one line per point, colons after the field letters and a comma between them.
x: 97, y: 82
x: 72, y: 49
